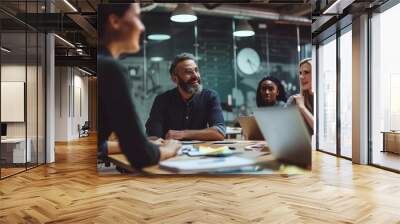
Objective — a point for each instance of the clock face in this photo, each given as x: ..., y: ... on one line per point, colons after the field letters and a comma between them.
x: 248, y: 61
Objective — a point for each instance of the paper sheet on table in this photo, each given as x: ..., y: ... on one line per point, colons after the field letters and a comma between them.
x: 207, y: 164
x: 211, y: 150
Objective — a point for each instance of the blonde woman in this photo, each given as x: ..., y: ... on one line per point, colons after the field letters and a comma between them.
x: 305, y: 99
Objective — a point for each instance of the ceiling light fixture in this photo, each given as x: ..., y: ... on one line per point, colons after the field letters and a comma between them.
x: 243, y: 29
x: 183, y: 13
x: 337, y: 7
x: 70, y: 6
x: 156, y: 59
x: 79, y: 51
x: 84, y: 71
x: 5, y: 50
x: 158, y: 36
x: 65, y: 41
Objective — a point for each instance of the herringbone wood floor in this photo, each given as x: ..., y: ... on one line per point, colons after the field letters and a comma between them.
x: 70, y: 191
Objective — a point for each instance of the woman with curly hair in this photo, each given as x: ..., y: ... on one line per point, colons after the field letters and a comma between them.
x: 270, y: 92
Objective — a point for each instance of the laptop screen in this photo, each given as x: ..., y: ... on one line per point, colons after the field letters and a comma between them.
x: 286, y: 134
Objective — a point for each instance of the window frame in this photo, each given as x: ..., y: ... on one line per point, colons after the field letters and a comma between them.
x: 340, y: 28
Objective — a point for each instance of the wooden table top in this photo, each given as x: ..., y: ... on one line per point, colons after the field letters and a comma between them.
x: 269, y: 164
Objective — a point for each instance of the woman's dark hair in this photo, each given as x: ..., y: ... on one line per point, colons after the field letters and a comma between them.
x: 281, y: 96
x: 105, y: 10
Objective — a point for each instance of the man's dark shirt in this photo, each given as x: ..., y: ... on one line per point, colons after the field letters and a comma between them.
x: 117, y: 114
x: 171, y: 112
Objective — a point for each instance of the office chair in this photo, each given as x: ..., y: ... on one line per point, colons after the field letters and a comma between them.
x: 84, y: 130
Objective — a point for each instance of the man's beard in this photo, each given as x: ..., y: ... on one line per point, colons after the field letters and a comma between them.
x: 189, y: 87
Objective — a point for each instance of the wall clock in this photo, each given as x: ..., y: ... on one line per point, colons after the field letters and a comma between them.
x: 248, y: 61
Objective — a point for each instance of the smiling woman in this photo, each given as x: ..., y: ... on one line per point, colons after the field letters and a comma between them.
x: 270, y: 92
x: 119, y: 33
x: 305, y: 99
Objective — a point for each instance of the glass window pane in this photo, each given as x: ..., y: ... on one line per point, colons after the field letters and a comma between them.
x: 327, y: 96
x: 31, y: 101
x: 22, y: 79
x: 14, y: 153
x: 385, y: 83
x: 346, y: 94
x: 41, y: 99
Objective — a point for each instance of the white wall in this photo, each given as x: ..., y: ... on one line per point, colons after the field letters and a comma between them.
x: 61, y: 103
x: 80, y: 110
x: 71, y: 102
x: 16, y: 73
x: 33, y: 127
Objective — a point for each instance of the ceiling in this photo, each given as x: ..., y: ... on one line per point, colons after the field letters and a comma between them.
x: 80, y: 27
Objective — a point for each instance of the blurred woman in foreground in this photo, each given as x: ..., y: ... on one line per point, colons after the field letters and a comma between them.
x: 119, y: 29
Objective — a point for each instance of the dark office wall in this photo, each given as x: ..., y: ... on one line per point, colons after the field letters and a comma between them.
x: 275, y: 43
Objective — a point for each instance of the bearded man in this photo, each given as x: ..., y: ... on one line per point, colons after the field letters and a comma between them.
x: 187, y: 112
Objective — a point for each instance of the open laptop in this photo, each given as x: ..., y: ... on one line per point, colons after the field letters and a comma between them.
x: 286, y: 134
x: 250, y: 129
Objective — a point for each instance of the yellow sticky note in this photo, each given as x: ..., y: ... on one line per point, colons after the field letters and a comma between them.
x: 210, y: 150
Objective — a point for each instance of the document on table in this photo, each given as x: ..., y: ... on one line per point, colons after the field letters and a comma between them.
x: 190, y: 150
x: 207, y: 164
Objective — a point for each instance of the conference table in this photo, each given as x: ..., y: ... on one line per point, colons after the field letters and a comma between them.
x: 265, y: 161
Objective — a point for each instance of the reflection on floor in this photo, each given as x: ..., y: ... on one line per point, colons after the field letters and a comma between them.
x: 386, y: 159
x: 346, y: 152
x: 10, y: 171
